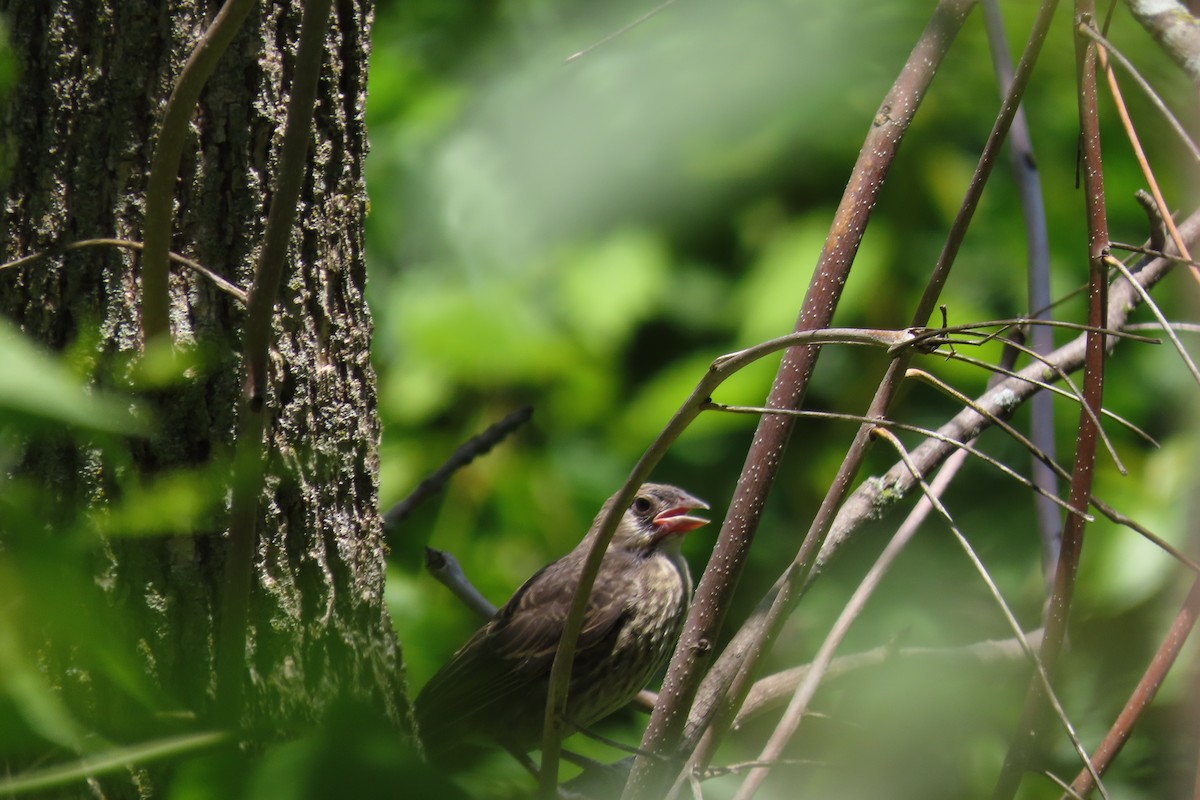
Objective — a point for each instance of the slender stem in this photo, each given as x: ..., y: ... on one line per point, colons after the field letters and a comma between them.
x: 164, y: 167
x: 293, y: 166
x: 797, y: 575
x: 250, y: 458
x: 1164, y: 658
x: 1059, y: 603
x: 650, y: 777
x: 225, y: 286
x: 1037, y: 248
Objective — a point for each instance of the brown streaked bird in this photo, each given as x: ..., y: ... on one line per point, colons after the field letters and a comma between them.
x: 494, y: 688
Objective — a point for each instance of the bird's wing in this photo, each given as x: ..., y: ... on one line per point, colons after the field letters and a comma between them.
x: 514, y: 652
x: 530, y: 624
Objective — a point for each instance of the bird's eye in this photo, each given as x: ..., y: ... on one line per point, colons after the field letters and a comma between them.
x: 641, y: 506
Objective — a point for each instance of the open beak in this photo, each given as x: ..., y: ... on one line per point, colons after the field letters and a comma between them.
x: 678, y: 520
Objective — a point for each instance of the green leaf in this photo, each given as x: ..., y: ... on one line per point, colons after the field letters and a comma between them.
x: 38, y: 385
x: 108, y: 761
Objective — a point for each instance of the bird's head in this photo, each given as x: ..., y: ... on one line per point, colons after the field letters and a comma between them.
x: 656, y: 519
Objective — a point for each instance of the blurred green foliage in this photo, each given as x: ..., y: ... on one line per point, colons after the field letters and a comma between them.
x: 587, y: 237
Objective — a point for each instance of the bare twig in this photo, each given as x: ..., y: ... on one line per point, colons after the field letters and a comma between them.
x: 467, y: 452
x: 1059, y: 604
x: 225, y: 286
x: 1143, y: 695
x: 903, y: 426
x: 624, y: 29
x: 446, y: 569
x: 1073, y: 396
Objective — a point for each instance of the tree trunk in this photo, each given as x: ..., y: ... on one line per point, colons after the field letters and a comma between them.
x: 80, y: 130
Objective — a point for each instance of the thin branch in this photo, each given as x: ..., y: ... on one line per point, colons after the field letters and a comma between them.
x: 1073, y: 396
x: 225, y: 286
x: 1076, y: 394
x: 164, y: 168
x: 1042, y: 676
x: 927, y: 432
x: 1147, y: 687
x: 445, y: 568
x: 281, y: 218
x: 1039, y: 457
x: 1021, y: 748
x: 1149, y: 251
x: 695, y: 650
x: 624, y: 29
x: 467, y: 452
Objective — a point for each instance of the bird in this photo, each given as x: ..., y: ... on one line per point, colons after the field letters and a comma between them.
x: 492, y: 691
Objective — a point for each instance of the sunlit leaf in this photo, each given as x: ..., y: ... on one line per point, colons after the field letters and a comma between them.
x: 35, y: 384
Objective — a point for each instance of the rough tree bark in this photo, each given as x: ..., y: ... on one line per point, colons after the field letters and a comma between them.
x: 79, y: 131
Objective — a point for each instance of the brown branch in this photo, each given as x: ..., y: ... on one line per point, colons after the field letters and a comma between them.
x: 1143, y: 695
x: 728, y: 687
x: 695, y: 649
x: 1058, y: 607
